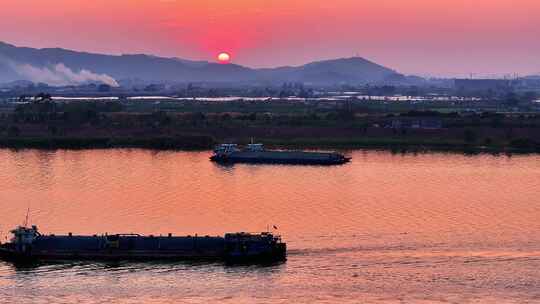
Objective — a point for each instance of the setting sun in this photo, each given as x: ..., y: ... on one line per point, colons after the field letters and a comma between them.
x: 224, y: 57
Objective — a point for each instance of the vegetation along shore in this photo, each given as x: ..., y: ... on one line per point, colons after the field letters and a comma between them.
x: 46, y: 124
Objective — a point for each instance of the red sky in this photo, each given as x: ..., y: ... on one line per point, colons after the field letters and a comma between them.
x: 428, y: 37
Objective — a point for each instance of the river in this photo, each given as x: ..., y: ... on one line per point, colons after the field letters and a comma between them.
x: 385, y: 228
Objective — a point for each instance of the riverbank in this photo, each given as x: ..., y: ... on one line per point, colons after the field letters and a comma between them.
x: 157, y: 143
x: 96, y: 125
x: 404, y: 145
x: 202, y: 142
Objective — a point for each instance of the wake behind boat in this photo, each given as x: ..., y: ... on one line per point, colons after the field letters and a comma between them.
x: 256, y: 153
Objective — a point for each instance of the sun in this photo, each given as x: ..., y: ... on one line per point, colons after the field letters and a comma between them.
x: 224, y: 57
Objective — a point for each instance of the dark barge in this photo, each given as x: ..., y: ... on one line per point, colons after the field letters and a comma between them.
x: 28, y: 244
x: 256, y: 153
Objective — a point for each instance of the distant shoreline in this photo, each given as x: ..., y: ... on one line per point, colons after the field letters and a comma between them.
x: 49, y: 125
x: 204, y: 143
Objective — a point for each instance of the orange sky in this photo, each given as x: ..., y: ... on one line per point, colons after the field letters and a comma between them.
x: 441, y: 37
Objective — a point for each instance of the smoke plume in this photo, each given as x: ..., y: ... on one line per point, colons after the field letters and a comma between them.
x: 57, y: 74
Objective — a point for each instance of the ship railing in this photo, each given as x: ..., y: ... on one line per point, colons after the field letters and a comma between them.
x: 253, y: 236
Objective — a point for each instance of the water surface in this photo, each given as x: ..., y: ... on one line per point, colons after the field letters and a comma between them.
x: 386, y: 228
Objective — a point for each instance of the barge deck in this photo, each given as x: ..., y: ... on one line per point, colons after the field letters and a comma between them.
x: 255, y: 153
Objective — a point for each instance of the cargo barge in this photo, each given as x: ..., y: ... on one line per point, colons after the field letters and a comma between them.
x: 256, y: 153
x: 28, y: 244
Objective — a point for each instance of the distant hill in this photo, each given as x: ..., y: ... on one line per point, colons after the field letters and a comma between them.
x: 347, y: 70
x: 56, y: 66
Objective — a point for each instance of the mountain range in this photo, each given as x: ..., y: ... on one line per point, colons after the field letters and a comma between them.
x: 56, y: 66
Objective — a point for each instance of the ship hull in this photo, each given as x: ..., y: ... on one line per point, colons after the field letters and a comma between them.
x: 277, y: 254
x: 279, y: 157
x: 139, y: 248
x: 16, y: 257
x: 110, y: 256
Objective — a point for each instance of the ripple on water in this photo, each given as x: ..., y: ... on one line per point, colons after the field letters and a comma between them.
x: 386, y: 228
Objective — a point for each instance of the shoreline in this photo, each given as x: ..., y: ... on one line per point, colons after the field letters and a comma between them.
x: 203, y: 143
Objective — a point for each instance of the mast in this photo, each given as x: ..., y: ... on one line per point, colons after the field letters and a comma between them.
x: 26, y: 220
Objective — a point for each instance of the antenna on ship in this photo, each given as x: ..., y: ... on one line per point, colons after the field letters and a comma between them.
x: 273, y: 226
x: 26, y: 220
